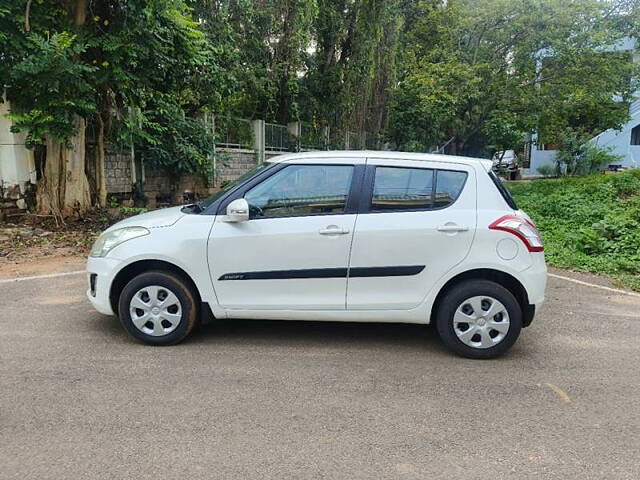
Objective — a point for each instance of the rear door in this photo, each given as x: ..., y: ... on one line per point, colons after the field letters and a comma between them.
x: 417, y: 221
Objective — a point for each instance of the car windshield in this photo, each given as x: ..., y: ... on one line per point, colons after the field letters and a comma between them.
x: 228, y: 186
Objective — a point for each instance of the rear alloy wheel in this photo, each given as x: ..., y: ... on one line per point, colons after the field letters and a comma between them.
x: 479, y: 319
x: 158, y: 308
x: 481, y: 322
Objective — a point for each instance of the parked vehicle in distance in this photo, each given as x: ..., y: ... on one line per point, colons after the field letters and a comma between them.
x: 334, y: 236
x: 506, y: 160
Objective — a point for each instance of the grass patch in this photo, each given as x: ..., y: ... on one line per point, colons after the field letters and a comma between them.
x: 588, y: 223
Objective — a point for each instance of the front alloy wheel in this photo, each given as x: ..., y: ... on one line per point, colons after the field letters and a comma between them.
x: 155, y: 310
x: 158, y: 308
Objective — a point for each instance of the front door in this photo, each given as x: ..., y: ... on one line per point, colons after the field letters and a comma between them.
x: 418, y: 223
x: 293, y: 252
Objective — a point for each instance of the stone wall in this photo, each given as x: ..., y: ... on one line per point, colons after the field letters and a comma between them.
x: 162, y: 188
x: 230, y: 164
x: 16, y: 198
x: 118, y: 169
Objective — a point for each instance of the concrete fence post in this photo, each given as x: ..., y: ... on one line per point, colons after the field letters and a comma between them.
x: 326, y: 138
x: 258, y: 140
x: 295, y: 130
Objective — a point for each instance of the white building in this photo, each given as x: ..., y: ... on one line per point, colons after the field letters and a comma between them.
x: 624, y: 142
x: 17, y: 167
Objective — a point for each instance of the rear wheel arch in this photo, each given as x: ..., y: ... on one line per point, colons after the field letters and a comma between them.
x: 501, y: 278
x: 141, y: 266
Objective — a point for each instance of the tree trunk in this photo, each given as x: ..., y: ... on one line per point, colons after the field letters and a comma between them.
x: 101, y: 174
x: 63, y: 189
x: 51, y: 180
x: 80, y: 13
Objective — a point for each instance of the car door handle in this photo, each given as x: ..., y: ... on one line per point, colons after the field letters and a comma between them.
x: 452, y: 228
x: 333, y: 230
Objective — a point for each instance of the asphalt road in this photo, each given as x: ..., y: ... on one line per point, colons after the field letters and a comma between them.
x: 287, y: 400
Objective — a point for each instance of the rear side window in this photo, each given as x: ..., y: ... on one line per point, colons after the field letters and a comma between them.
x: 503, y: 190
x: 400, y: 188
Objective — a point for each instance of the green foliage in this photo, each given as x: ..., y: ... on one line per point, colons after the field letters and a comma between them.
x: 503, y: 132
x: 54, y: 86
x: 547, y: 170
x: 588, y: 223
x: 419, y: 73
x: 147, y: 57
x: 130, y: 211
x: 484, y: 73
x: 167, y: 139
x: 577, y: 156
x: 113, y: 202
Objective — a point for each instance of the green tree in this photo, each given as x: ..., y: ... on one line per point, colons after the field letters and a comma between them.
x: 546, y: 64
x: 67, y: 63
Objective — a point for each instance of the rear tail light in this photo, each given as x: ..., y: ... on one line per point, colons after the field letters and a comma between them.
x: 521, y: 228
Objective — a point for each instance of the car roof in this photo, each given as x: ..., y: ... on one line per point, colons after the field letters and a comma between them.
x: 362, y: 155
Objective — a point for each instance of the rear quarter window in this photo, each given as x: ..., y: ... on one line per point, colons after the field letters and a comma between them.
x: 449, y: 185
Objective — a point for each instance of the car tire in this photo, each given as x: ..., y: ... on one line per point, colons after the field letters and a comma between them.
x: 486, y: 330
x: 158, y: 308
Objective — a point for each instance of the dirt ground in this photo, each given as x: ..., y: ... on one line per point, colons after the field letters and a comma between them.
x: 36, y: 245
x: 34, y: 266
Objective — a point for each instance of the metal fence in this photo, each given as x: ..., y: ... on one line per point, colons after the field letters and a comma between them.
x: 353, y: 141
x: 234, y: 133
x: 373, y: 142
x: 312, y: 137
x: 277, y: 138
x: 240, y: 133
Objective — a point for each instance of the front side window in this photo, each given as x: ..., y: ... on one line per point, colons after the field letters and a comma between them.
x: 299, y: 190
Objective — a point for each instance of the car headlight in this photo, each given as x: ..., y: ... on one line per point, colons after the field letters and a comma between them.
x: 109, y: 240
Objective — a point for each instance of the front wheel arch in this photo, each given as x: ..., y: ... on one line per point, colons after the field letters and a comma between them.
x: 136, y: 268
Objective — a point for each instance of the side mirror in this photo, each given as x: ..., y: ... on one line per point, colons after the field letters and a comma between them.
x: 237, y: 211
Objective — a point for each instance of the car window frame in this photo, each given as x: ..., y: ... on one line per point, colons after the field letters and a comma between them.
x: 366, y: 194
x: 220, y: 205
x: 351, y: 204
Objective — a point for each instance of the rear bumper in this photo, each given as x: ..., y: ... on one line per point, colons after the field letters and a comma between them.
x: 528, y: 314
x: 534, y: 280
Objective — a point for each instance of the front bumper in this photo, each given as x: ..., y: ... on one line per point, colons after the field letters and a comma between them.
x: 103, y: 270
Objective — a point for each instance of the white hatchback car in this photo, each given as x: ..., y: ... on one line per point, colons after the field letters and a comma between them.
x: 337, y: 236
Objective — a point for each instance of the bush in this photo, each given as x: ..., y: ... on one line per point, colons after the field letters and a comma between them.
x: 589, y: 223
x: 576, y: 156
x: 547, y: 170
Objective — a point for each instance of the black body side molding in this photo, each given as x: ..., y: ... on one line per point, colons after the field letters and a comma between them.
x: 354, y: 272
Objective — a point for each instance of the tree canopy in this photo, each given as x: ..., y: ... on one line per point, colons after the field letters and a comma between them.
x: 474, y: 75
